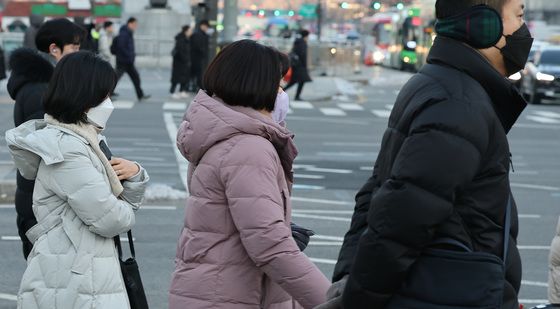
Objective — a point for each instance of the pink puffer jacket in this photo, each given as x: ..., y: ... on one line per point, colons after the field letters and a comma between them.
x: 236, y: 250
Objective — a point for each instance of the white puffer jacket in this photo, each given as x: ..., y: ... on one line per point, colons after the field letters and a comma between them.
x: 73, y: 263
x: 554, y: 269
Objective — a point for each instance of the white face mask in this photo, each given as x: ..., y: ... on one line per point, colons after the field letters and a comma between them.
x: 281, y: 107
x: 100, y: 114
x: 210, y: 31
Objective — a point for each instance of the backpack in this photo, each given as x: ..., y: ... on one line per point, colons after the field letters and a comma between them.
x: 114, y: 45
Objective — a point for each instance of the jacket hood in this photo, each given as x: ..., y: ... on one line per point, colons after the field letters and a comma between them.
x: 209, y: 121
x: 36, y: 20
x: 32, y: 142
x: 28, y: 66
x: 507, y: 101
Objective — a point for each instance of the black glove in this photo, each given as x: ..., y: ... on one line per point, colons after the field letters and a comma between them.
x: 301, y: 235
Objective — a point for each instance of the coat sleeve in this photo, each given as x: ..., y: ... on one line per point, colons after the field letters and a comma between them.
x: 554, y: 269
x: 436, y: 160
x: 84, y: 188
x: 357, y: 228
x: 257, y: 208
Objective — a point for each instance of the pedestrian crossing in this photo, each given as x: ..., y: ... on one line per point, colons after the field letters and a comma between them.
x: 544, y: 117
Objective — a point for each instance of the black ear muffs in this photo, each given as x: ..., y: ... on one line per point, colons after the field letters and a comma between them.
x: 481, y: 27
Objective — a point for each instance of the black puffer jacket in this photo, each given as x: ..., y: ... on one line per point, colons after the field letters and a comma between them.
x: 28, y: 83
x: 180, y: 72
x: 443, y: 171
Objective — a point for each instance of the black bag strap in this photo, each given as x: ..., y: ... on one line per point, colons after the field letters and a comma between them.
x: 507, y: 228
x: 117, y: 240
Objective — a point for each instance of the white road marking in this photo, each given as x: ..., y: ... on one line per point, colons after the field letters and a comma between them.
x: 158, y: 208
x: 389, y: 106
x: 381, y: 113
x: 350, y: 106
x: 546, y: 120
x: 536, y: 187
x: 332, y: 111
x: 326, y: 243
x: 323, y: 212
x: 350, y: 122
x: 307, y: 187
x: 301, y: 105
x: 534, y: 283
x: 122, y: 104
x: 7, y: 206
x: 326, y: 237
x: 366, y: 168
x: 181, y: 161
x: 320, y: 201
x: 536, y: 126
x: 347, y: 154
x: 523, y: 172
x: 10, y: 297
x: 328, y: 170
x: 16, y: 238
x: 175, y: 106
x: 547, y: 114
x: 323, y: 261
x: 302, y: 176
x: 546, y: 248
x: 533, y: 301
x: 527, y: 216
x: 290, y: 111
x: 351, y: 144
x: 327, y: 218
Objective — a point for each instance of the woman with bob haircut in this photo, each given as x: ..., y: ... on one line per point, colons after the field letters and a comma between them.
x: 82, y: 198
x: 236, y: 249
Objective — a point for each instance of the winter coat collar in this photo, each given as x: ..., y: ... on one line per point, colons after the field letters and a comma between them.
x: 209, y: 121
x: 28, y: 66
x: 508, y: 103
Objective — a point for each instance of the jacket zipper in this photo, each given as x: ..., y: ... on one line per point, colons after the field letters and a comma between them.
x: 511, y: 162
x: 263, y: 289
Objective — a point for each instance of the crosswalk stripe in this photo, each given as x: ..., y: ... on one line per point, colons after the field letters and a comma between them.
x: 177, y: 106
x: 332, y: 111
x: 121, y: 104
x: 543, y: 119
x: 389, y: 106
x: 350, y: 106
x: 381, y: 113
x: 547, y: 114
x: 301, y: 105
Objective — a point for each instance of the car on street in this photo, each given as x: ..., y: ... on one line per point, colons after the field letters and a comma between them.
x: 541, y: 78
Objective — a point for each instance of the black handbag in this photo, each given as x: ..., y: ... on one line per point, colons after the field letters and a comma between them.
x: 455, y: 279
x: 131, y: 276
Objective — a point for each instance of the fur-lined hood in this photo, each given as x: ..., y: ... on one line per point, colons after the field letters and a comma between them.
x: 28, y: 66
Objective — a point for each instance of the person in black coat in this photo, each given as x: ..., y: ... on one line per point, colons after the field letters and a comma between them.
x: 31, y: 73
x: 199, y: 53
x: 126, y: 56
x: 180, y: 73
x: 443, y: 168
x: 298, y: 58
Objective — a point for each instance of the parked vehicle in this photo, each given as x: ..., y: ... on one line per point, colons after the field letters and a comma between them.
x: 541, y: 78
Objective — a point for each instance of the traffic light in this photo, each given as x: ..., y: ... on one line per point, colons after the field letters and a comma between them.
x: 376, y: 5
x: 400, y: 6
x: 344, y: 5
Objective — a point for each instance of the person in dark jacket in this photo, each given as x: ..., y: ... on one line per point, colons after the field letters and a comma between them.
x: 35, y: 22
x: 443, y: 167
x: 31, y: 73
x: 300, y: 73
x: 126, y: 55
x: 199, y: 53
x: 181, y: 71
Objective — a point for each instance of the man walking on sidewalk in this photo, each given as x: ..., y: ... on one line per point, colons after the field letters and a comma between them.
x: 31, y: 73
x: 199, y: 53
x: 441, y: 180
x: 126, y: 55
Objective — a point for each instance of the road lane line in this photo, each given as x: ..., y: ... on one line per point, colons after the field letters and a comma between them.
x: 301, y: 105
x: 328, y: 170
x: 536, y: 187
x: 534, y: 283
x: 348, y: 154
x: 381, y: 113
x: 537, y: 126
x: 181, y: 161
x: 122, y: 104
x: 351, y: 144
x: 10, y: 297
x: 324, y: 212
x: 328, y: 111
x: 547, y: 114
x: 350, y: 106
x: 158, y: 207
x: 175, y: 106
x: 328, y: 218
x: 545, y: 120
x: 545, y: 248
x: 303, y: 176
x: 326, y: 243
x: 322, y: 261
x: 331, y: 120
x: 321, y: 201
x: 327, y: 237
x: 533, y: 301
x: 307, y: 187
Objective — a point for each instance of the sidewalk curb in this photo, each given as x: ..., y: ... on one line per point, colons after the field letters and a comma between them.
x: 7, y: 191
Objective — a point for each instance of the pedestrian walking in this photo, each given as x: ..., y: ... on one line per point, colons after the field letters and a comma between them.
x: 199, y: 53
x: 79, y: 200
x: 126, y: 56
x: 28, y: 82
x: 35, y: 22
x: 181, y: 71
x: 105, y: 41
x: 236, y: 248
x: 441, y: 178
x: 298, y: 57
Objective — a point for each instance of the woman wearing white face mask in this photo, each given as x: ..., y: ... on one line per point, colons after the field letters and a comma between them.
x: 81, y: 199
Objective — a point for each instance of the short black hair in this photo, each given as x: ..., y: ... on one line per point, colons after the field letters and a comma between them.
x: 284, y: 63
x: 107, y: 24
x: 131, y: 20
x: 204, y: 22
x: 245, y: 73
x: 80, y: 81
x: 304, y: 33
x: 448, y: 8
x: 185, y: 28
x: 61, y: 32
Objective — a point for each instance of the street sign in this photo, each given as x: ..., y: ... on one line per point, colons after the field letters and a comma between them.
x: 308, y: 11
x: 49, y: 9
x: 107, y: 10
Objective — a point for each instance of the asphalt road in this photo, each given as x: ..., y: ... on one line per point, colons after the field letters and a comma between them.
x: 338, y: 142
